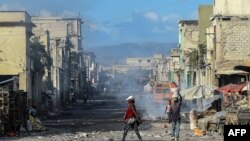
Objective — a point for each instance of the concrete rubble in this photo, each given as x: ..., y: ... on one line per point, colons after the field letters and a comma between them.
x: 80, y: 126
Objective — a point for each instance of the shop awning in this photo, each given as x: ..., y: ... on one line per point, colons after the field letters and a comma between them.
x: 231, y: 88
x: 196, y: 92
x: 7, y: 79
x: 231, y: 72
x: 244, y: 67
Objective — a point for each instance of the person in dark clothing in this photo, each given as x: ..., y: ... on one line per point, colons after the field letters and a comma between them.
x: 175, y: 116
x: 131, y: 119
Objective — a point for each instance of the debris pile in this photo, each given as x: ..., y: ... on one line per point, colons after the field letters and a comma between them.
x: 12, y: 111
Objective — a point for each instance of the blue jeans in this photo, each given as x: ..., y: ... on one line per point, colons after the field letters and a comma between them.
x: 176, y: 128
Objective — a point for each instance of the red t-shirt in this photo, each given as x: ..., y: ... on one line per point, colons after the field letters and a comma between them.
x: 130, y: 113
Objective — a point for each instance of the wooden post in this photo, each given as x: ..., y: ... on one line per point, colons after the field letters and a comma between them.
x: 248, y: 91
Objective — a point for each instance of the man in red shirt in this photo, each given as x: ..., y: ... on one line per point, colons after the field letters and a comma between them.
x: 131, y: 119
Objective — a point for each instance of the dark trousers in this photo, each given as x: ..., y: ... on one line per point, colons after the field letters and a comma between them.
x: 133, y: 126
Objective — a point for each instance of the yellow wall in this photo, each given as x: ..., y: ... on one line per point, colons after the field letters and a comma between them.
x: 205, y: 12
x: 13, y: 54
x: 12, y: 50
x: 14, y: 16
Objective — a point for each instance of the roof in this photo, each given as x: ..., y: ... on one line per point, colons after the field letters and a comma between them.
x: 17, y: 24
x: 231, y: 72
x: 189, y: 22
x: 55, y: 18
x: 15, y: 11
x: 7, y: 78
x: 229, y: 67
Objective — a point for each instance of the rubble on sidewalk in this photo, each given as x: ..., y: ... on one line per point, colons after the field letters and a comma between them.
x: 242, y: 104
x: 164, y: 126
x: 81, y: 135
x: 208, y: 123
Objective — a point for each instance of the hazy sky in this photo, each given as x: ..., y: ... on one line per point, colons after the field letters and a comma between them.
x: 117, y: 21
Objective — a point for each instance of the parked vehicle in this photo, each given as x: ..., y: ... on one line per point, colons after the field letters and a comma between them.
x: 161, y: 92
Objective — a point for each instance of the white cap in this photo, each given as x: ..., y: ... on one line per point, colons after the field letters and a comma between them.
x: 130, y: 98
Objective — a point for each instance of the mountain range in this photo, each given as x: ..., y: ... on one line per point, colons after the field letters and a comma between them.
x: 117, y: 54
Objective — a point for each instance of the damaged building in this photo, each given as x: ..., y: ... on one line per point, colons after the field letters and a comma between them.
x: 15, y: 32
x: 229, y: 40
x: 64, y: 46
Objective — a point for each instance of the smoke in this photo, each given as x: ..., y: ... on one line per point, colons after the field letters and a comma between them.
x: 153, y: 111
x: 132, y: 83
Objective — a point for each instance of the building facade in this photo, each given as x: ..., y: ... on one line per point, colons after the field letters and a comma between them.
x: 15, y: 33
x: 230, y: 40
x: 188, y: 44
x: 59, y: 46
x: 205, y: 66
x: 91, y: 67
x: 231, y: 7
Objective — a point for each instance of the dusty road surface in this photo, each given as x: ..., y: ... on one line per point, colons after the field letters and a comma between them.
x: 101, y: 120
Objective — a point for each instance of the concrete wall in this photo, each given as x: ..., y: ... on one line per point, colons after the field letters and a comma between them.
x: 14, y: 16
x: 75, y: 33
x: 140, y: 61
x: 14, y: 47
x: 232, y: 39
x: 188, y: 41
x: 205, y: 12
x: 210, y: 57
x: 189, y: 35
x: 13, y: 50
x: 231, y: 7
x: 58, y: 30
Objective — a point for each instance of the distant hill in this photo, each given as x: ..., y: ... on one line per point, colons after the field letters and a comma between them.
x: 117, y: 54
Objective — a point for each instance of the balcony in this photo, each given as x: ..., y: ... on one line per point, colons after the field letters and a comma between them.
x: 175, y: 52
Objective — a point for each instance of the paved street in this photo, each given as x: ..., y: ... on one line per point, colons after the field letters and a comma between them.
x: 100, y: 120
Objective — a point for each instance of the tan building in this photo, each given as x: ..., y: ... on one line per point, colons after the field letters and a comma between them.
x: 231, y: 7
x: 205, y: 13
x: 15, y: 33
x: 158, y: 64
x: 41, y: 73
x: 140, y: 62
x: 175, y: 66
x: 188, y: 43
x: 229, y: 38
x: 205, y: 73
x: 231, y: 47
x: 59, y: 49
x: 161, y: 68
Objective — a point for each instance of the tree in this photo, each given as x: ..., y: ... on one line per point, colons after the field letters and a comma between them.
x: 202, y: 55
x: 40, y: 57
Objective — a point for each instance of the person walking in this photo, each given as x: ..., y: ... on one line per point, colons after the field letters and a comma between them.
x: 168, y: 109
x: 131, y: 118
x: 175, y: 116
